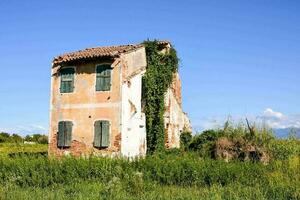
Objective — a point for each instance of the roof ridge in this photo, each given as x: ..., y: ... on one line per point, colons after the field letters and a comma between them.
x: 113, y: 46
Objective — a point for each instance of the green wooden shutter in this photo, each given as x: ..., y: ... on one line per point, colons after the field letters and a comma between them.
x: 97, y: 134
x: 64, y: 138
x: 68, y: 134
x: 105, y: 134
x: 61, y: 134
x: 100, y: 83
x: 107, y: 74
x: 67, y: 80
x: 101, y: 134
x: 98, y: 79
x: 103, y: 78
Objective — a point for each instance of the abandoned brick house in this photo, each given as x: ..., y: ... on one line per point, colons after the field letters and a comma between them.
x: 96, y: 104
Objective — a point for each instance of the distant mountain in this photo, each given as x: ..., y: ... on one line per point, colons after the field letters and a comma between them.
x: 284, y: 132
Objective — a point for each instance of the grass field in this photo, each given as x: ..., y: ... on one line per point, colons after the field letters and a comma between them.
x: 179, y: 175
x: 11, y: 149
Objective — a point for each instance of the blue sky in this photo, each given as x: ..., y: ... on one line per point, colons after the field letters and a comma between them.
x: 238, y: 58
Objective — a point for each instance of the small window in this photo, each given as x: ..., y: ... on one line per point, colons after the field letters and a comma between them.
x: 101, y: 135
x: 67, y: 80
x: 64, y: 134
x: 103, y: 77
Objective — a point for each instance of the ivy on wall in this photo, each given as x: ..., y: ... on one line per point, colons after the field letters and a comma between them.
x: 158, y: 77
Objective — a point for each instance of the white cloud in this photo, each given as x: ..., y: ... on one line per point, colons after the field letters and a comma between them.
x: 273, y: 114
x: 270, y: 117
x: 278, y: 120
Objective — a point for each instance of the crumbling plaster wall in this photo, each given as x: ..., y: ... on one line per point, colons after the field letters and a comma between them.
x: 83, y: 107
x: 175, y: 120
x: 133, y: 119
x: 121, y: 106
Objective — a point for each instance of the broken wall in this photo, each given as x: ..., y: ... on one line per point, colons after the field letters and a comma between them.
x: 175, y: 120
x: 133, y: 119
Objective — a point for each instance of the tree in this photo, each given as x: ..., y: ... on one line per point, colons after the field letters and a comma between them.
x: 16, y: 138
x: 4, y: 137
x: 28, y: 138
x: 43, y: 139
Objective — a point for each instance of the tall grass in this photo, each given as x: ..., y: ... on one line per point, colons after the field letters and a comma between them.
x: 159, y: 173
x: 189, y: 173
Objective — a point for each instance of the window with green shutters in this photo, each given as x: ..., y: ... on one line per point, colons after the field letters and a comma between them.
x: 101, y: 135
x: 64, y: 138
x: 67, y: 80
x: 103, y: 77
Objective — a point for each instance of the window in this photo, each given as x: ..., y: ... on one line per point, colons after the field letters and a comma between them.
x: 101, y: 135
x: 64, y: 134
x: 67, y: 80
x: 103, y: 77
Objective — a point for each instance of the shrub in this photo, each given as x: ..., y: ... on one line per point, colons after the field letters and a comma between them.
x: 284, y: 148
x: 185, y: 140
x: 43, y: 139
x: 204, y: 143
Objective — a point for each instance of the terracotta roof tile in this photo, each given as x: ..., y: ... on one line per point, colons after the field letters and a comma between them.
x: 89, y: 53
x: 97, y: 52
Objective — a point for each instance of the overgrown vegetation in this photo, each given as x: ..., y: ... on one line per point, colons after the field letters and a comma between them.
x: 160, y: 69
x: 241, y: 142
x: 186, y: 173
x: 176, y: 175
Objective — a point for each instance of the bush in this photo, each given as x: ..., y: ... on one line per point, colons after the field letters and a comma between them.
x: 185, y: 140
x: 4, y: 137
x: 204, y: 143
x: 235, y: 142
x: 43, y: 139
x: 282, y: 149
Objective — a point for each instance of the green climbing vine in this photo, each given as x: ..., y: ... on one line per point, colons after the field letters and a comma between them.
x: 158, y: 77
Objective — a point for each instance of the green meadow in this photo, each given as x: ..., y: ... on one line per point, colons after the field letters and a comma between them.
x: 26, y: 172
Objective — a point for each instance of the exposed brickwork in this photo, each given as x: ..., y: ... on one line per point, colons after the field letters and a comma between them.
x: 80, y: 149
x: 176, y: 88
x: 176, y: 120
x: 117, y: 142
